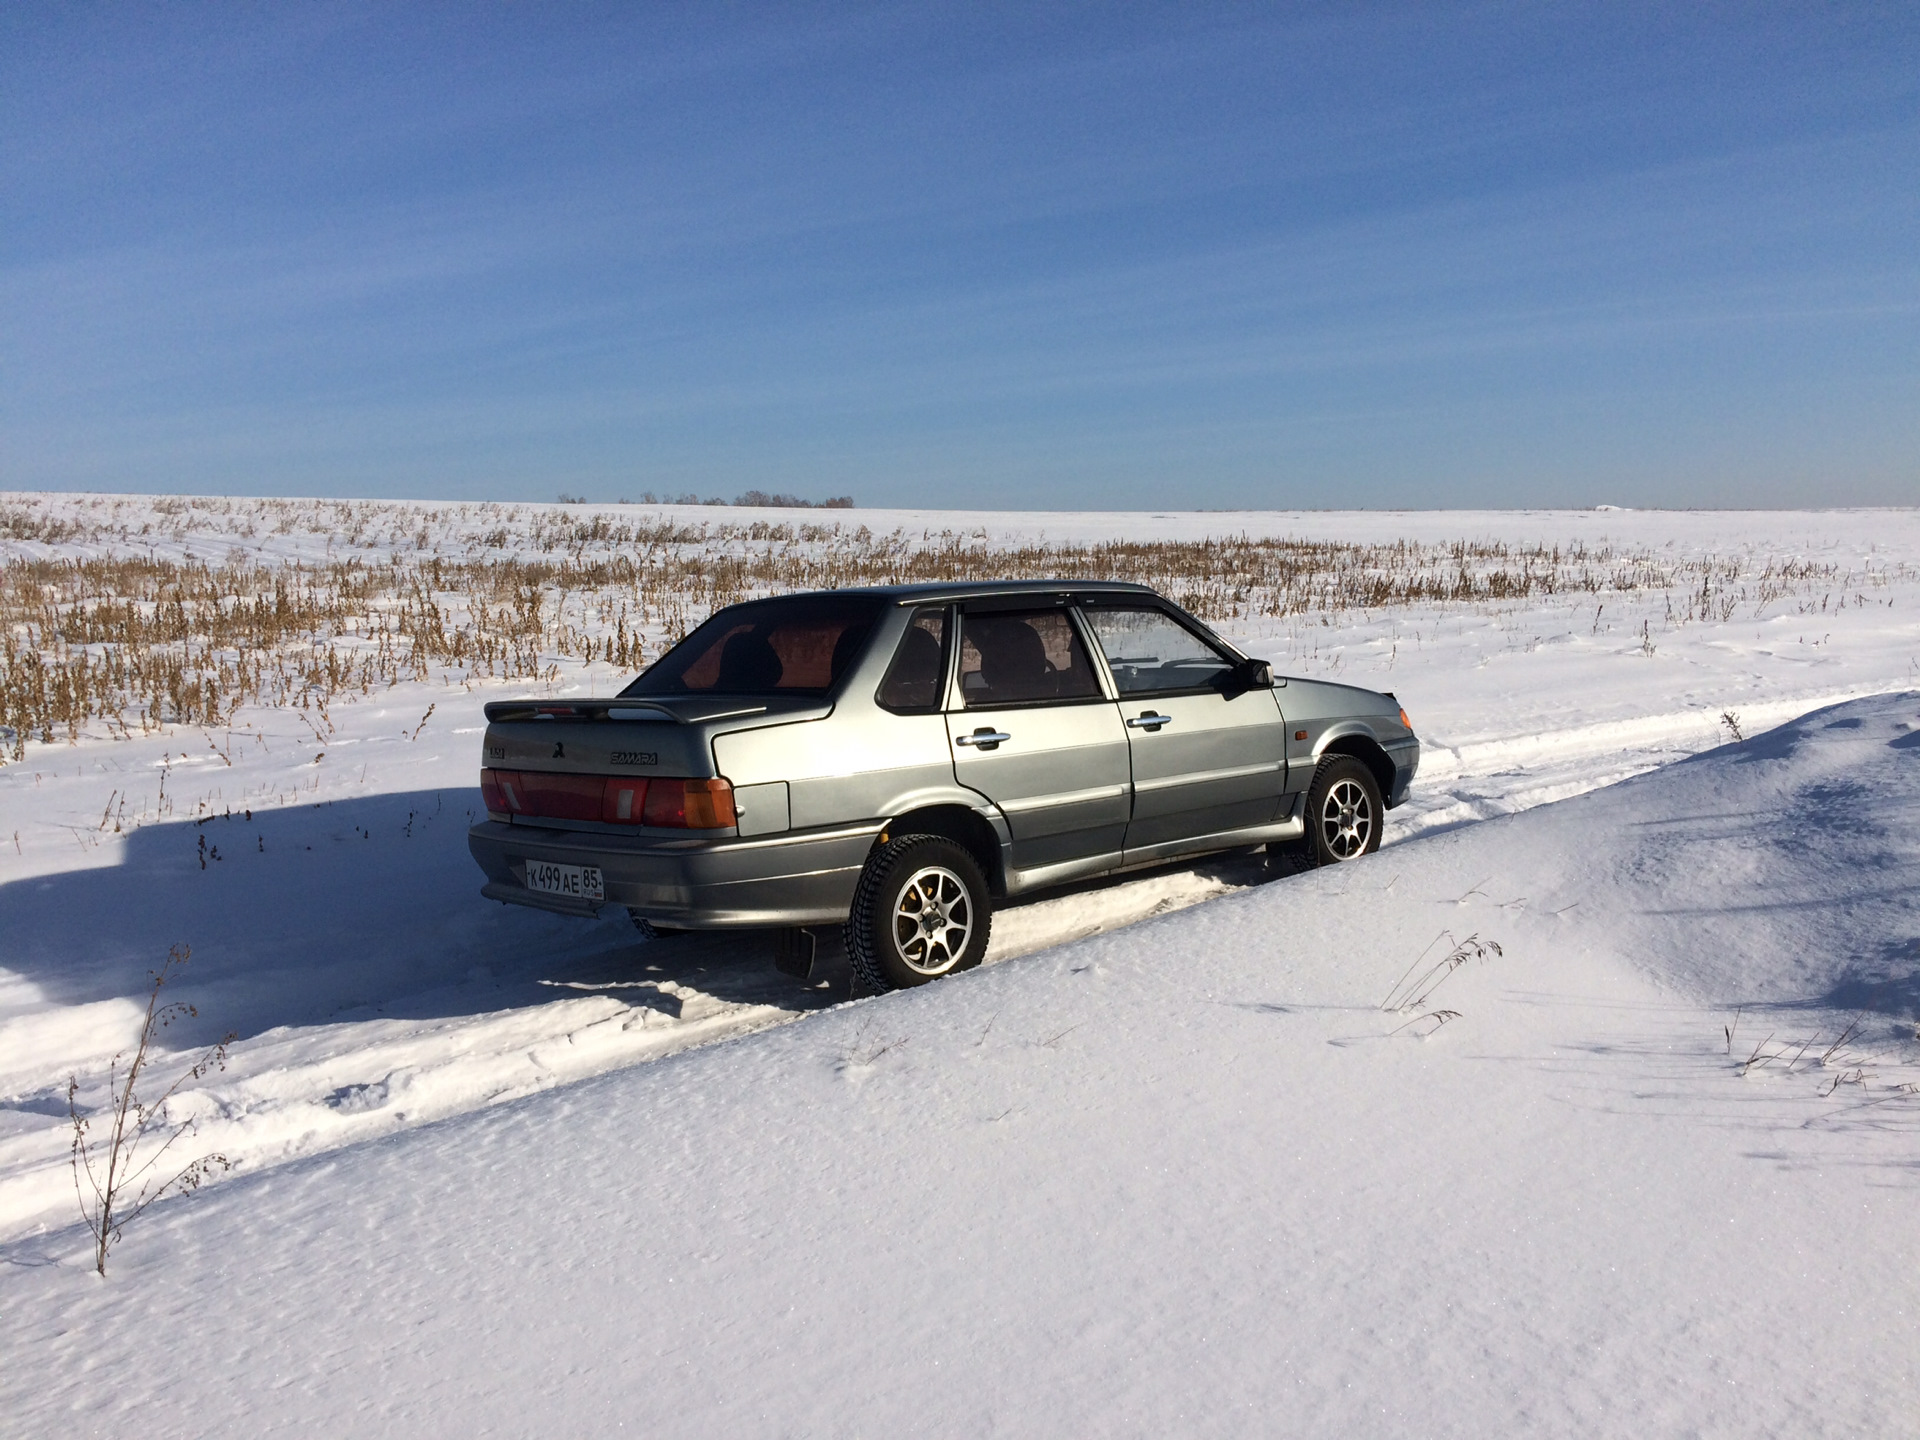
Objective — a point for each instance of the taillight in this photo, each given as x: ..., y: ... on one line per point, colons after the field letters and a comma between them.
x: 623, y: 801
x: 500, y: 790
x: 560, y: 797
x: 611, y: 799
x: 690, y: 804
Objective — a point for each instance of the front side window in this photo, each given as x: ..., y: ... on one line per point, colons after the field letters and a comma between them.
x: 919, y: 669
x: 1021, y: 657
x: 1151, y: 653
x: 800, y: 645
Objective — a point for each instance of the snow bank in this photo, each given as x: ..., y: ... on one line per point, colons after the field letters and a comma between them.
x: 1187, y: 1178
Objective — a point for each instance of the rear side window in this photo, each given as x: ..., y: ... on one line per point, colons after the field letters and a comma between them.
x: 799, y: 645
x: 919, y: 669
x: 1015, y: 657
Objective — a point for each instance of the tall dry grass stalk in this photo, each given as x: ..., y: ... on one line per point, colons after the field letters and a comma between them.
x: 117, y: 1175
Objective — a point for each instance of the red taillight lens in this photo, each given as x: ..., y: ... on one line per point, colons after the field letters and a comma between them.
x: 561, y: 797
x: 500, y: 790
x: 623, y: 801
x: 690, y: 804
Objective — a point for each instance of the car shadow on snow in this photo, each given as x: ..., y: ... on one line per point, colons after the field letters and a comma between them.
x: 345, y: 910
x: 368, y: 909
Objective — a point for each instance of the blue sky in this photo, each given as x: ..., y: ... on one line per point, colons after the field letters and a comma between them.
x: 976, y: 256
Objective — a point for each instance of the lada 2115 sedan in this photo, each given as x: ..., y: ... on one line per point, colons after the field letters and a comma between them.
x: 895, y: 760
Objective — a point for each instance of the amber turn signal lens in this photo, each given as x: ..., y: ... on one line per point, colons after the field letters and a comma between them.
x: 1404, y: 721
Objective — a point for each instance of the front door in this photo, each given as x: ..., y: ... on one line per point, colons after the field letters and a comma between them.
x: 1206, y: 760
x: 1033, y: 733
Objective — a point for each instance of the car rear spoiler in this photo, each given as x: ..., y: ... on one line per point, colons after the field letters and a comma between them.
x: 689, y: 712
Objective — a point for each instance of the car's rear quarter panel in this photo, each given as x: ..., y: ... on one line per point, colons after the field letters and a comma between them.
x: 863, y: 763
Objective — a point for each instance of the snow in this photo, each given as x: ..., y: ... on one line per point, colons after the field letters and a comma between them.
x: 1168, y: 1172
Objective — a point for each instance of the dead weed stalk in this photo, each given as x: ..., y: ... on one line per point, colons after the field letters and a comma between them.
x: 115, y: 1175
x: 1412, y: 990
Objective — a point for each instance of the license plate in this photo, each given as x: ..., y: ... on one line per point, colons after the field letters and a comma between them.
x: 576, y: 882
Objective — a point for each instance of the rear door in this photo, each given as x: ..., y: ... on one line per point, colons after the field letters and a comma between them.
x: 1205, y: 760
x: 1032, y: 730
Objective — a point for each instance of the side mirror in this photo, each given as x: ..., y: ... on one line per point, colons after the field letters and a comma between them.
x: 1245, y: 676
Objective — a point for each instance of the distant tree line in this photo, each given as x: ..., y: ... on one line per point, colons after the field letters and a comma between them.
x: 751, y: 497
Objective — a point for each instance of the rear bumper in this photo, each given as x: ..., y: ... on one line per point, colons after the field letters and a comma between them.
x: 789, y: 879
x: 1406, y: 762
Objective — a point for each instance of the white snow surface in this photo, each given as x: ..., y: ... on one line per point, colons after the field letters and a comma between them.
x: 1185, y: 1174
x: 1190, y: 1177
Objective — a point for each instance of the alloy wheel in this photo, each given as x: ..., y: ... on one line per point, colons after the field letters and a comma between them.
x: 932, y: 920
x: 1346, y: 819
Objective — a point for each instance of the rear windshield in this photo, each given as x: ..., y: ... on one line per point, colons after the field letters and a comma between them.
x: 800, y: 645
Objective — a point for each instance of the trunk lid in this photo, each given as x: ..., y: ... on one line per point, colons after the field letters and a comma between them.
x: 655, y: 736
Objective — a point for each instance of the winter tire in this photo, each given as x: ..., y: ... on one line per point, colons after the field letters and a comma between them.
x: 919, y: 912
x: 1344, y: 813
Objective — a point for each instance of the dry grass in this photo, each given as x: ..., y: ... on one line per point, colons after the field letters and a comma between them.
x: 93, y: 629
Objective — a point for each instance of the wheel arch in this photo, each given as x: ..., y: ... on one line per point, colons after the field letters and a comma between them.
x: 1368, y: 751
x: 966, y: 827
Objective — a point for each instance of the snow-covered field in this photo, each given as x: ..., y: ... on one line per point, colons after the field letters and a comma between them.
x: 1185, y: 1175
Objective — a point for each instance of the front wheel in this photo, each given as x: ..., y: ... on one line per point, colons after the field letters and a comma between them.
x: 1344, y: 812
x: 919, y: 912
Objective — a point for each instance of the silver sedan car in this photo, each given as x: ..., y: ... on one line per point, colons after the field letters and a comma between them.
x: 895, y: 760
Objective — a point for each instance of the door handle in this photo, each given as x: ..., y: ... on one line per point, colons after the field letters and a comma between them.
x: 1148, y: 721
x: 984, y: 737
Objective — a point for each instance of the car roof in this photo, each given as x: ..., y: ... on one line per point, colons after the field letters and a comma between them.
x: 926, y: 592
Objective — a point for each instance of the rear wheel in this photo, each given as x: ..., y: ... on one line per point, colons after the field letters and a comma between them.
x: 1344, y: 813
x: 920, y: 912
